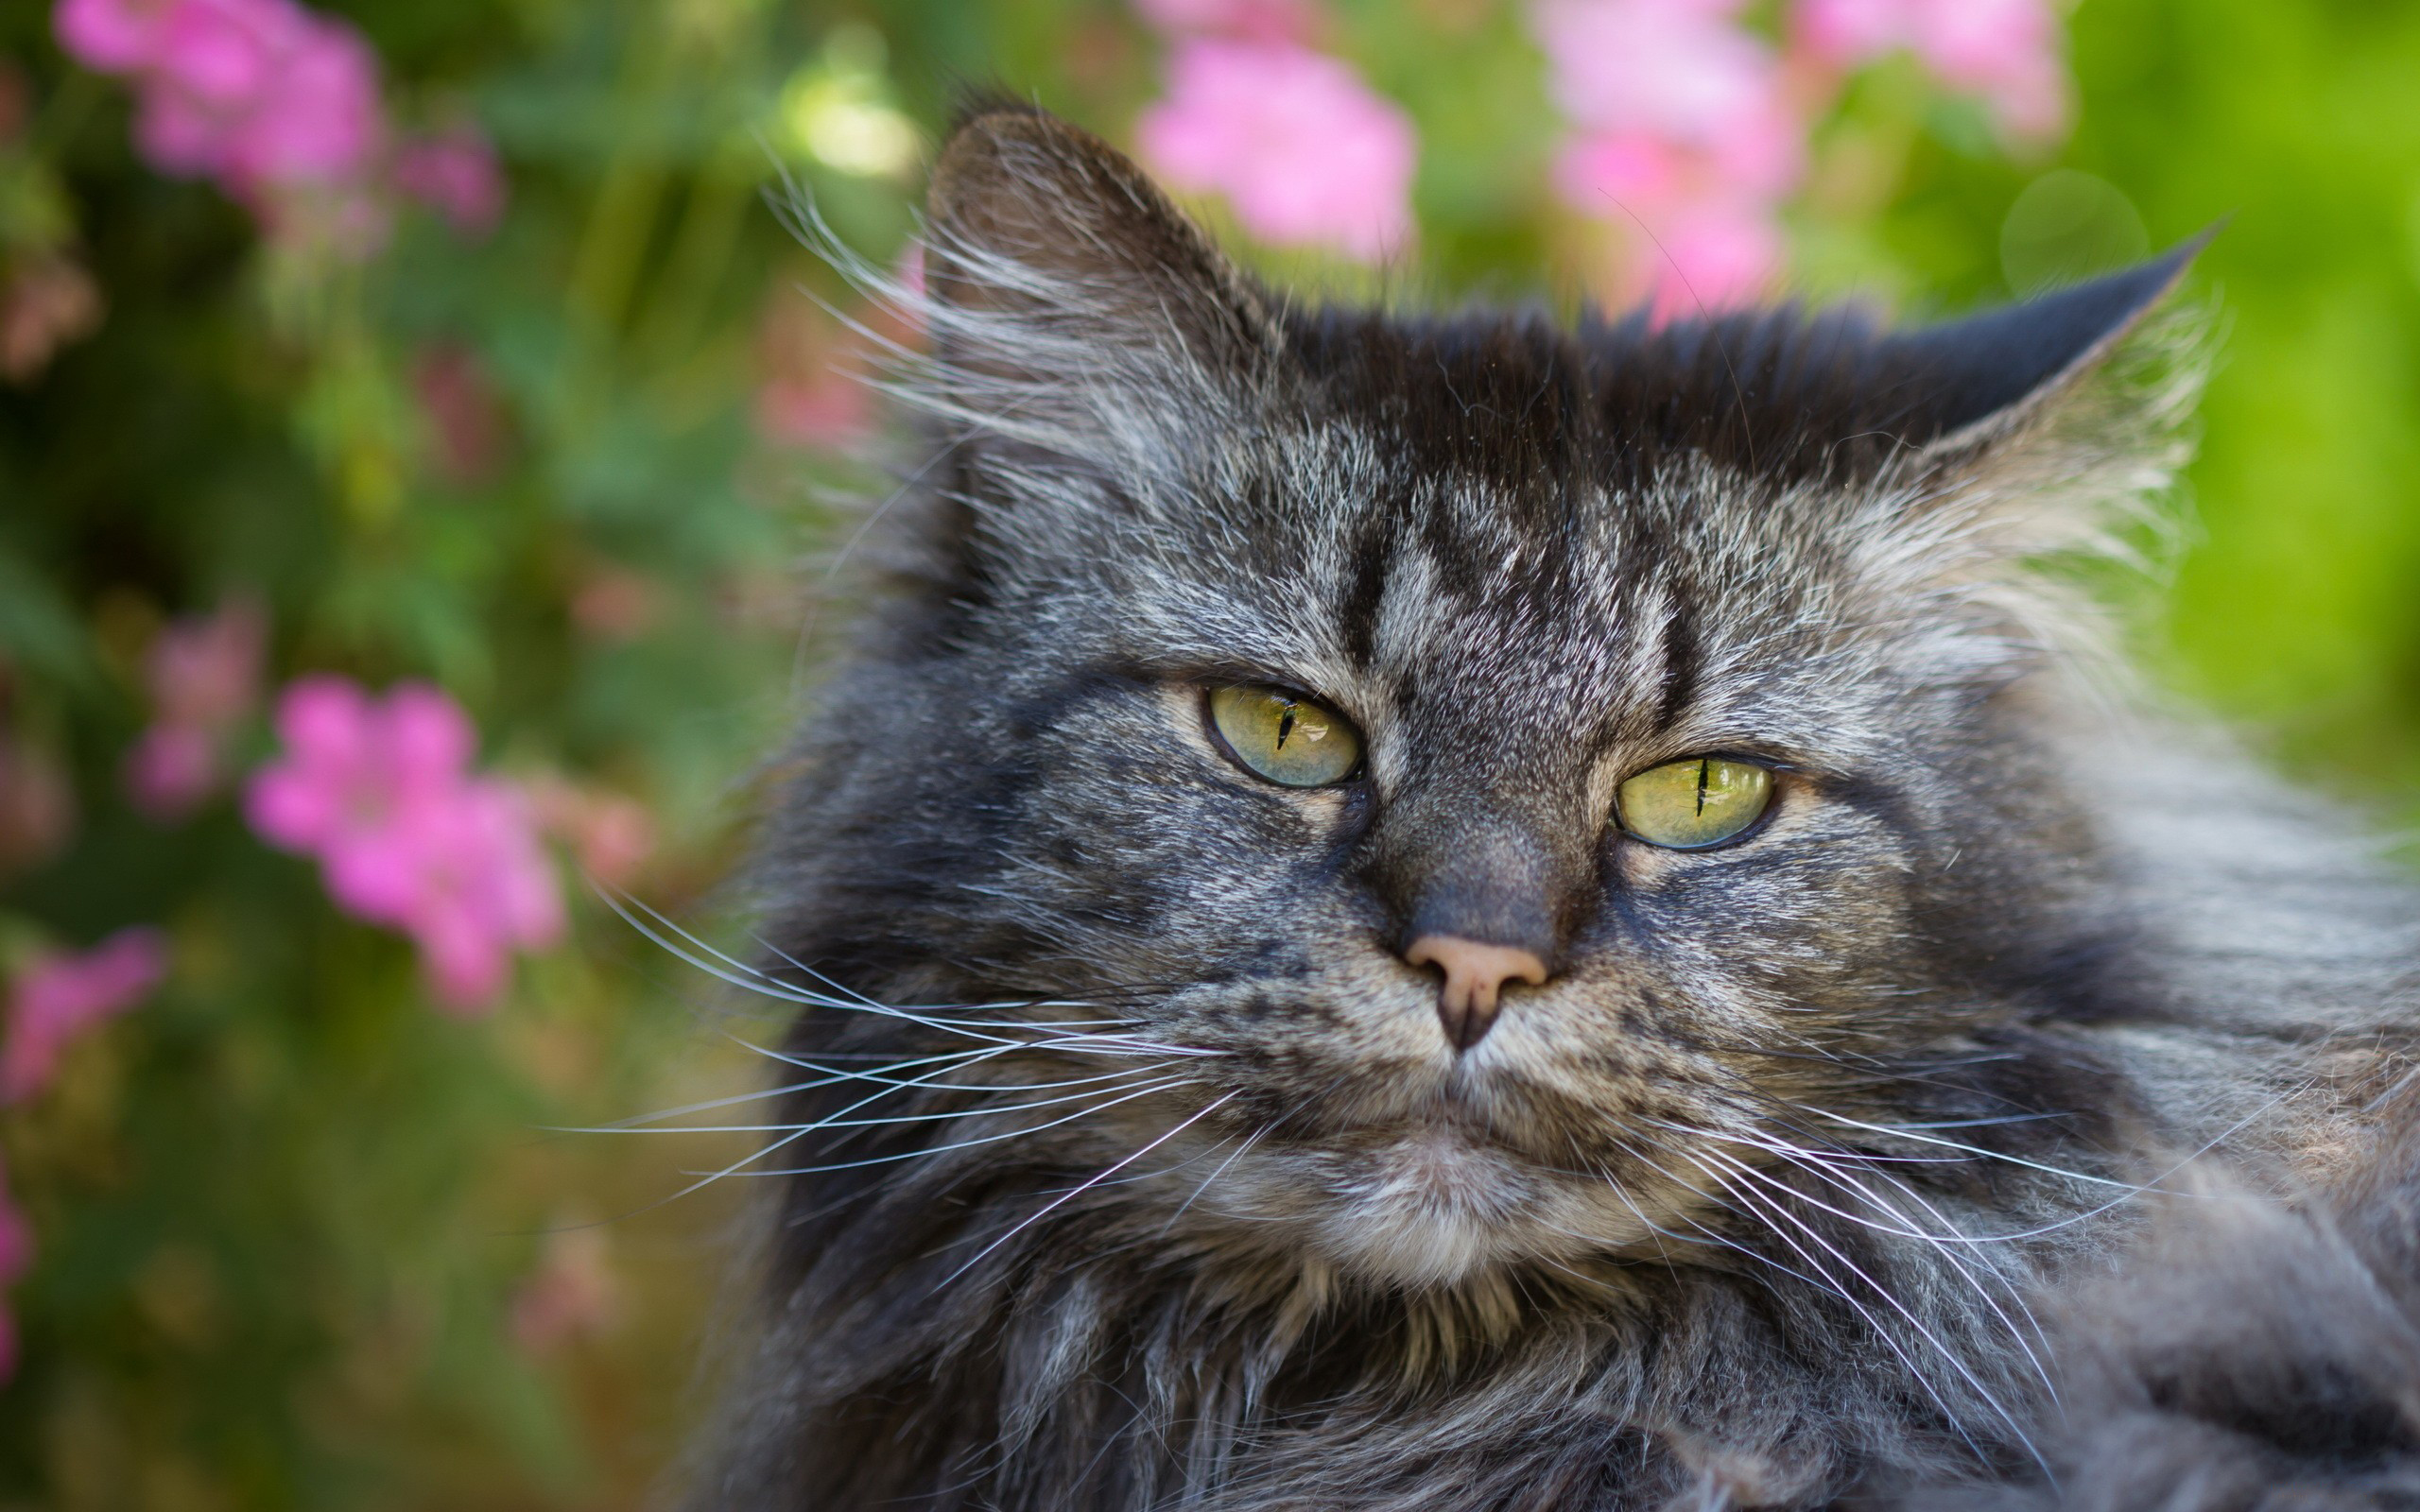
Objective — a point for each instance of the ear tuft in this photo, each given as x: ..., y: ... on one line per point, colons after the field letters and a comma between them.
x: 1988, y: 375
x: 1074, y: 310
x: 1028, y: 215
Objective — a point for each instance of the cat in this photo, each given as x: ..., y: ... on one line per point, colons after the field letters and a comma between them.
x: 1433, y: 913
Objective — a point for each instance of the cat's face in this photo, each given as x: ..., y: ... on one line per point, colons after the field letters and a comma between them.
x: 1491, y: 567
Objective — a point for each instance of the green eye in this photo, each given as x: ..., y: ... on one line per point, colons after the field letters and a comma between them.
x: 1285, y: 737
x: 1692, y: 804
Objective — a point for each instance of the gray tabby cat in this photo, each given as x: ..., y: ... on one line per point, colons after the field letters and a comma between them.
x: 1448, y: 914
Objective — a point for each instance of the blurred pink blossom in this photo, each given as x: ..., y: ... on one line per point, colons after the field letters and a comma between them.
x: 570, y: 1294
x: 171, y: 770
x: 37, y: 804
x: 614, y: 604
x: 2006, y: 51
x: 1255, y: 20
x: 16, y: 1258
x: 206, y: 670
x: 47, y: 301
x: 1715, y: 254
x: 380, y: 790
x: 204, y: 676
x: 261, y: 94
x: 482, y: 888
x: 1300, y: 145
x: 824, y: 408
x: 112, y: 35
x: 1682, y: 71
x: 357, y: 771
x: 58, y: 997
x: 610, y: 836
x: 277, y: 102
x: 1686, y: 142
x: 817, y: 367
x: 455, y: 174
x: 464, y: 414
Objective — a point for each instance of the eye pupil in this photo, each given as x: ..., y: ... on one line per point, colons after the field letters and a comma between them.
x: 1285, y: 724
x: 1694, y: 804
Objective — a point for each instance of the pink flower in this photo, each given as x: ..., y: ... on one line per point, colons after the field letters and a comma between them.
x: 614, y: 604
x: 205, y: 679
x: 1601, y: 175
x: 59, y: 997
x: 172, y: 769
x: 569, y: 1295
x: 111, y: 36
x: 358, y: 775
x: 610, y: 834
x: 48, y: 301
x: 36, y: 805
x: 1302, y: 149
x: 1256, y: 20
x: 1684, y: 72
x: 1715, y: 255
x: 464, y: 416
x: 823, y: 409
x: 206, y: 671
x: 2006, y: 51
x: 381, y: 792
x: 456, y: 175
x: 263, y: 95
x: 481, y: 888
x: 322, y: 122
x: 1852, y: 31
x: 16, y: 1258
x: 214, y: 65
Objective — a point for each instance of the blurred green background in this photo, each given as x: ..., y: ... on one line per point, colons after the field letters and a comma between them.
x: 299, y: 1241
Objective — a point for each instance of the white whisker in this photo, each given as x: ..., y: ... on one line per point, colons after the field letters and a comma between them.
x: 1057, y: 1202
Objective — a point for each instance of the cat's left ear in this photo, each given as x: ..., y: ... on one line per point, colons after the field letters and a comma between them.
x: 1985, y: 380
x: 1075, y: 311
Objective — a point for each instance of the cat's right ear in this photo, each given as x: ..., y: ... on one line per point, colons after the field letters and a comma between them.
x: 1073, y: 308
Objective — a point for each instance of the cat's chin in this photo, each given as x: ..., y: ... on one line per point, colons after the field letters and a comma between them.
x: 1430, y: 1206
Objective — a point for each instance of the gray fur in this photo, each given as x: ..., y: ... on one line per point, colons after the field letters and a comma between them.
x: 1770, y: 1196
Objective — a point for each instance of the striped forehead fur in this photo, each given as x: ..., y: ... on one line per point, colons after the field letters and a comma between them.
x: 1121, y: 1161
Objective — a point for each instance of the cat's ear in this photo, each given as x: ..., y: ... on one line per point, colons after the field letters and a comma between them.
x: 2045, y: 429
x: 1073, y: 307
x: 1982, y: 380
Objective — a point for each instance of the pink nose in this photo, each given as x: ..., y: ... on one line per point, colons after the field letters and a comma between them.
x: 1474, y: 973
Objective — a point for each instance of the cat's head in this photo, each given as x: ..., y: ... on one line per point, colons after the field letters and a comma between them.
x: 1527, y: 774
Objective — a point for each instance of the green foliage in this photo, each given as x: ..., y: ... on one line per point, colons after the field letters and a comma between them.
x: 287, y: 1214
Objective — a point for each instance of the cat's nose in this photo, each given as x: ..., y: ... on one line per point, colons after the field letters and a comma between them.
x: 1474, y: 973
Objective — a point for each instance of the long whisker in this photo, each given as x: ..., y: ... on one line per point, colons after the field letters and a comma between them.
x: 1063, y: 1198
x: 832, y: 1076
x: 937, y: 1116
x: 964, y: 1145
x: 1905, y: 1229
x: 726, y: 967
x: 1250, y: 1140
x: 1823, y: 1281
x: 1956, y: 1360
